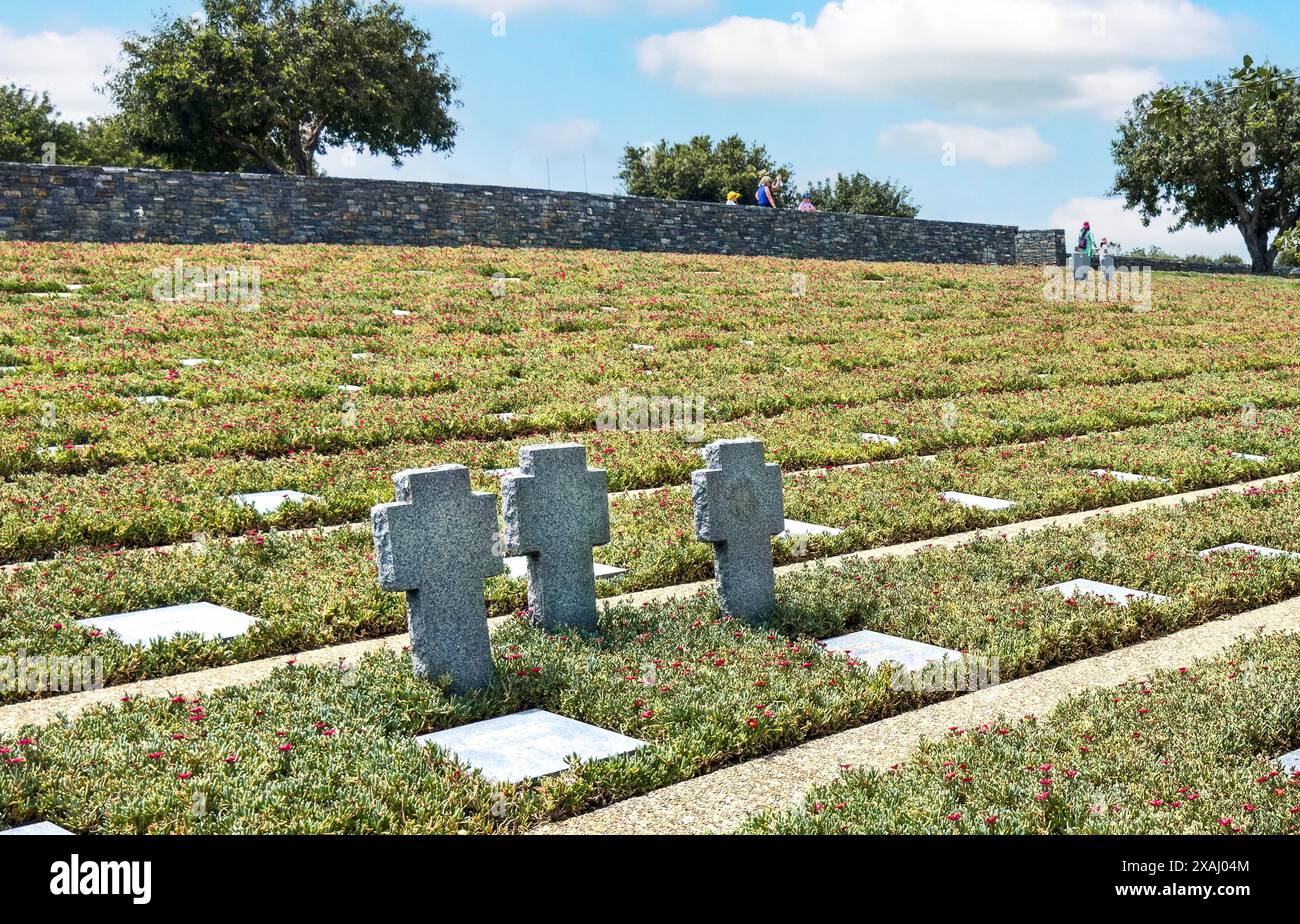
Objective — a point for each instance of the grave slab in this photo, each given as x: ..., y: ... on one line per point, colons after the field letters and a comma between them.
x: 193, y: 362
x: 350, y: 388
x: 506, y: 416
x: 7, y: 369
x: 643, y: 347
x: 362, y: 356
x: 875, y: 648
x: 800, y: 528
x: 55, y: 450
x: 977, y: 500
x: 1249, y: 457
x: 153, y: 399
x: 529, y: 744
x: 267, y: 502
x: 1243, y: 547
x: 399, y: 313
x: 1290, y: 762
x: 144, y: 626
x: 879, y: 438
x: 1112, y: 592
x: 1127, y: 476
x: 517, y: 567
x: 37, y: 828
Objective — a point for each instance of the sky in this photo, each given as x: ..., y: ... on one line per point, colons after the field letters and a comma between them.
x: 989, y: 110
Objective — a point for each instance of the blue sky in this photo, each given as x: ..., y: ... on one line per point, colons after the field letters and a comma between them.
x: 1021, y: 95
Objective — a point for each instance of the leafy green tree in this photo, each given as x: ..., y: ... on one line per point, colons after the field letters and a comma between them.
x: 28, y: 121
x: 104, y: 142
x: 267, y: 85
x: 1226, y: 152
x: 861, y: 195
x: 698, y: 170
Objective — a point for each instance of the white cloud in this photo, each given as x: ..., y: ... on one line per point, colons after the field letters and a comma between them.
x: 66, y: 66
x: 1004, y: 147
x: 976, y: 55
x: 487, y: 8
x: 1110, y: 219
x: 568, y: 137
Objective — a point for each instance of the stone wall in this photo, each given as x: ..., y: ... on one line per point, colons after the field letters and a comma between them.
x: 118, y: 205
x: 1041, y: 248
x: 108, y: 205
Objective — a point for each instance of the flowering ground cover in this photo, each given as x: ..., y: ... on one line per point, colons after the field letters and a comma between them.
x: 326, y: 749
x: 1187, y: 751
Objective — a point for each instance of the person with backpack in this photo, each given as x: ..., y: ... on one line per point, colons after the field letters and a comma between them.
x: 1087, y: 245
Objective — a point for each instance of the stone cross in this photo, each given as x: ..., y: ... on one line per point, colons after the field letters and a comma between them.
x: 739, y: 508
x: 437, y: 543
x: 555, y: 510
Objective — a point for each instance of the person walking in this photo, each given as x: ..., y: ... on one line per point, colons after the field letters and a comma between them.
x: 1087, y: 244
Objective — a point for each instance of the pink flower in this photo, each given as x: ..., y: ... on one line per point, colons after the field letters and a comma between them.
x: 955, y: 816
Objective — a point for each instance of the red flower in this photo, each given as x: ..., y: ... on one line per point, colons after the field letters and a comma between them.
x: 955, y: 816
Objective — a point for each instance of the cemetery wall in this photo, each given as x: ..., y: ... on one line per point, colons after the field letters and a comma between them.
x: 112, y: 205
x: 120, y: 205
x: 1041, y: 248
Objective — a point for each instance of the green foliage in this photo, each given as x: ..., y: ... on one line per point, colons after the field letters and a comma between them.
x: 1188, y: 751
x: 699, y: 170
x: 861, y: 195
x: 27, y: 121
x: 1222, y: 153
x: 267, y: 85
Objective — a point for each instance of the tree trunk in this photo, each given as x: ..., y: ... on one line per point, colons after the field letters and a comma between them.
x: 1261, y: 255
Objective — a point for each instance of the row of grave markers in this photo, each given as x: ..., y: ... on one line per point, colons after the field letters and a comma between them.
x: 438, y: 541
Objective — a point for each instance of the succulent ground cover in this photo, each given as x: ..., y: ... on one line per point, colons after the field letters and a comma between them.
x: 1186, y: 751
x: 1018, y: 397
x: 330, y: 749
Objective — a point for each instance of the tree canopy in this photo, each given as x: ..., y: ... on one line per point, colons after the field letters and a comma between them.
x: 29, y: 120
x: 1225, y: 152
x: 698, y: 170
x: 861, y: 195
x: 267, y: 85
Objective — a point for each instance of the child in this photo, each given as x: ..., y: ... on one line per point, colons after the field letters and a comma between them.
x: 733, y: 198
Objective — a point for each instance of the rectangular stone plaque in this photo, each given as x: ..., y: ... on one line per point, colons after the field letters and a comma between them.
x: 1290, y: 762
x: 267, y: 502
x: 1127, y: 476
x: 800, y: 528
x: 144, y: 626
x: 879, y: 438
x: 1111, y: 592
x: 529, y: 744
x: 517, y: 567
x: 977, y: 500
x: 38, y: 828
x: 1242, y: 547
x: 875, y: 648
x: 1249, y: 457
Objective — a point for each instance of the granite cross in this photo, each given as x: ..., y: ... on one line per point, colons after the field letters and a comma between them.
x: 739, y: 508
x: 555, y: 510
x: 436, y: 543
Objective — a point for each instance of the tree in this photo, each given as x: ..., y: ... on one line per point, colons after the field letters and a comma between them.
x: 28, y: 121
x: 698, y: 170
x: 1226, y: 152
x: 861, y: 195
x: 267, y: 85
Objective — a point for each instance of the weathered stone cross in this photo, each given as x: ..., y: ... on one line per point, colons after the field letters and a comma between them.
x: 436, y: 543
x: 555, y: 510
x: 739, y: 508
